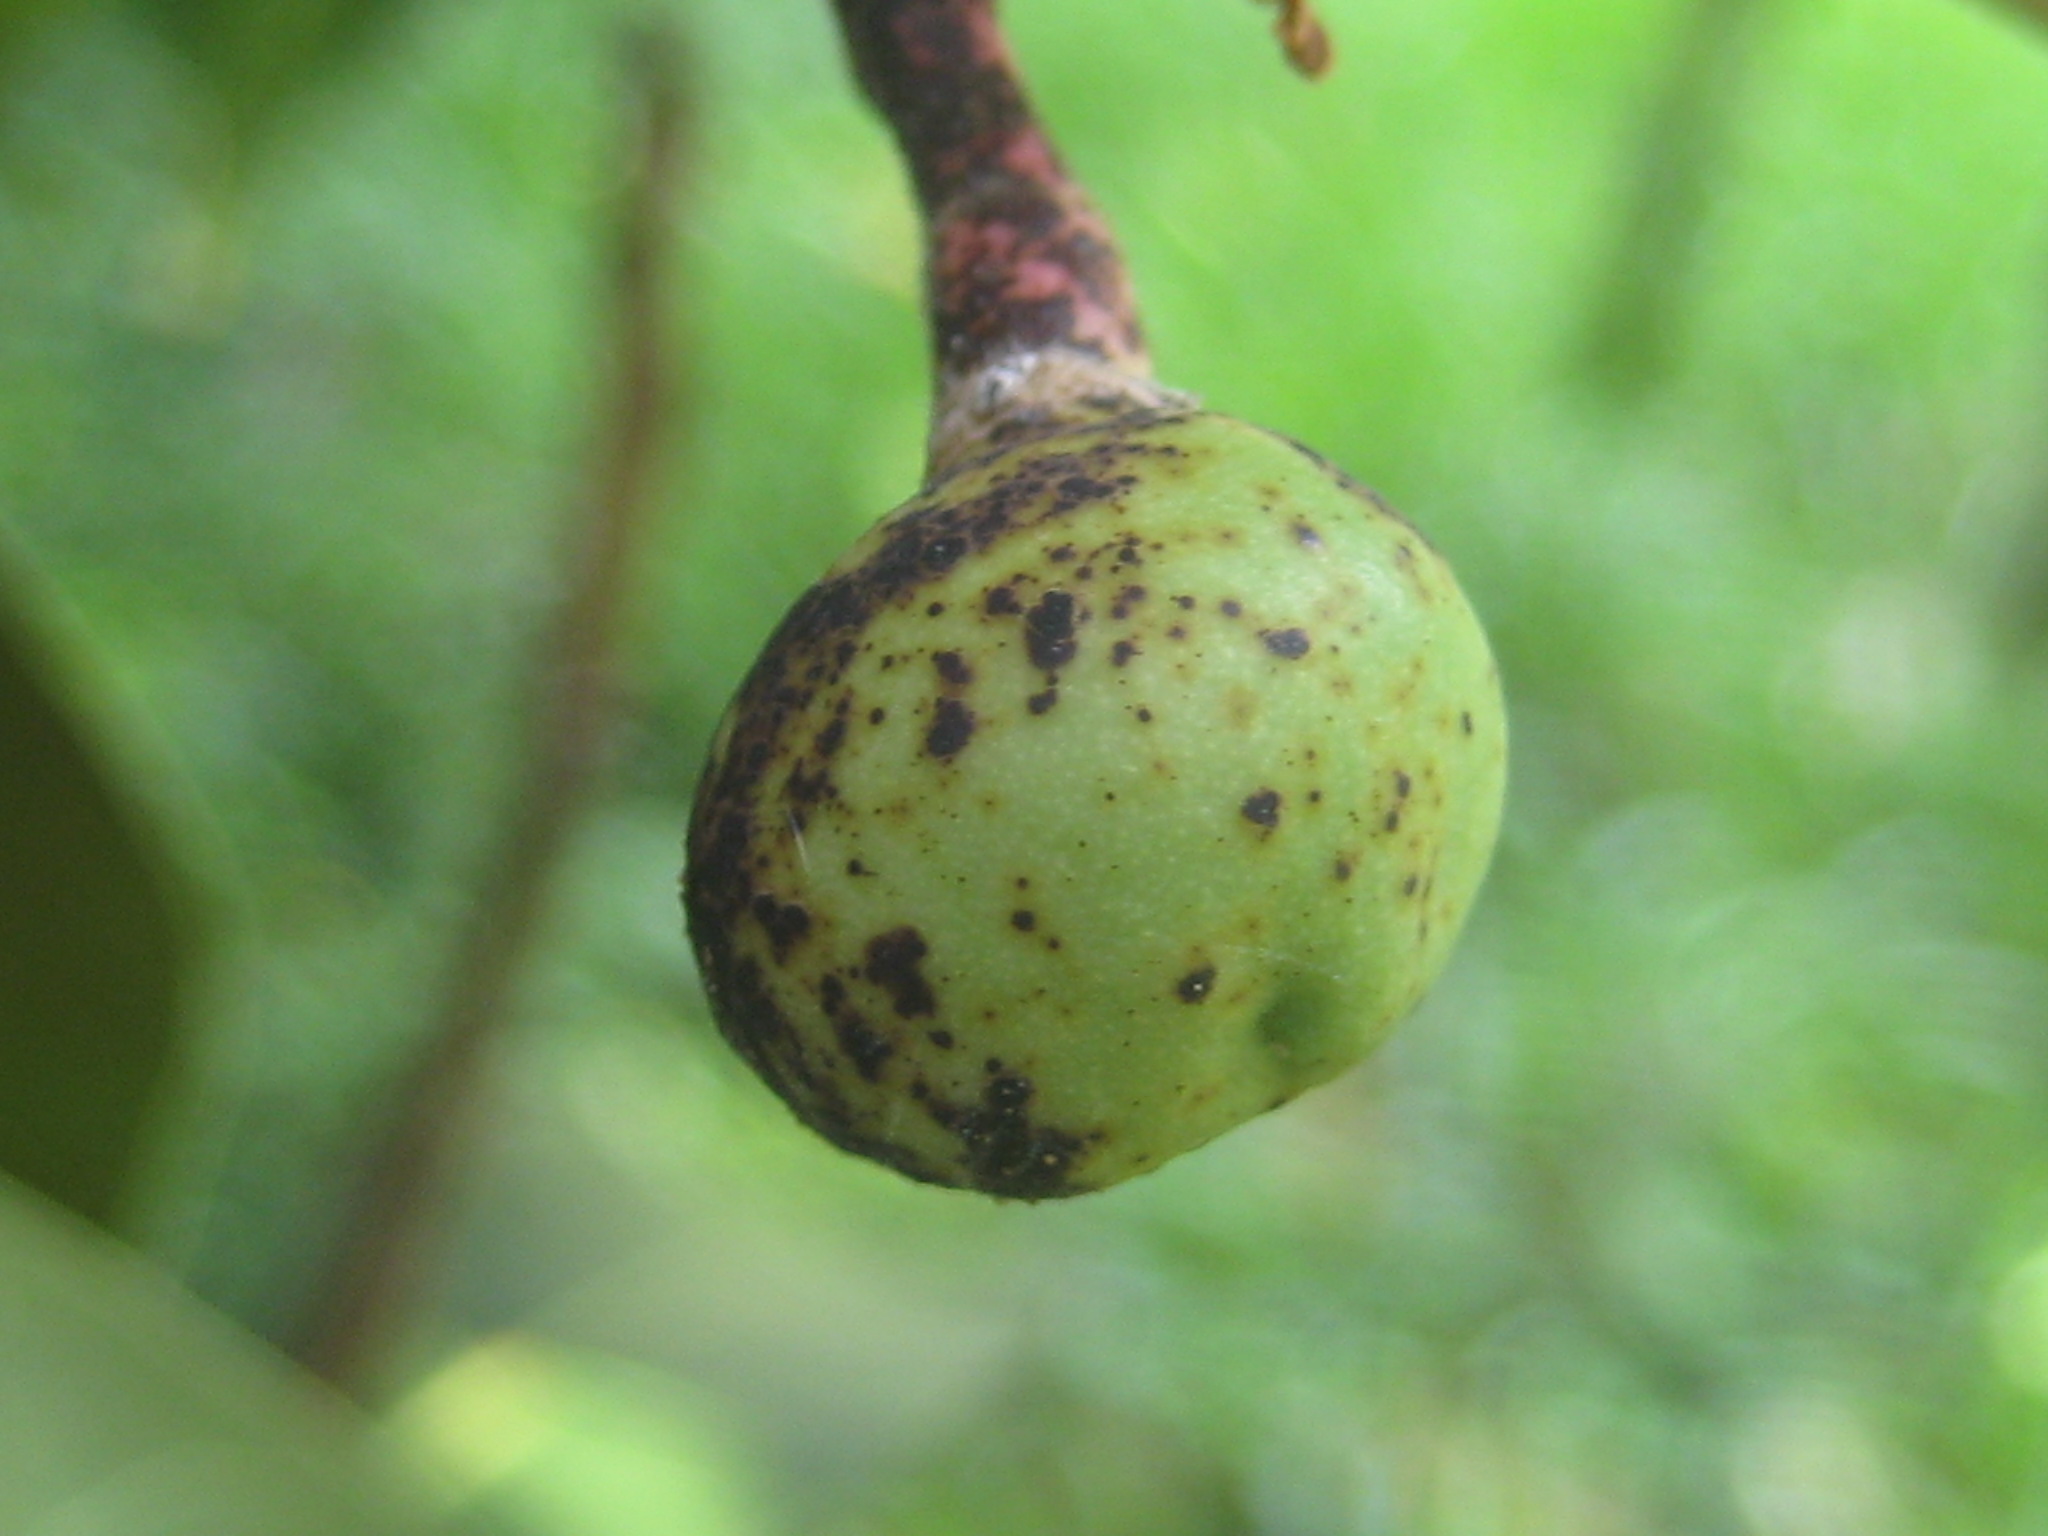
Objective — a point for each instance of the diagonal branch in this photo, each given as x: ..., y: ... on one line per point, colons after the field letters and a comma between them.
x: 389, y: 1229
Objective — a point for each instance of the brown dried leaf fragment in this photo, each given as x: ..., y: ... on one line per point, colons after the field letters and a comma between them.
x: 1303, y: 36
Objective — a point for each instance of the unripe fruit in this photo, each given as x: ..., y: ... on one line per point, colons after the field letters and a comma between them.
x: 1131, y: 779
x: 1118, y: 788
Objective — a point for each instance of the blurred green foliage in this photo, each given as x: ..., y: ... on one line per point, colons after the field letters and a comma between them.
x: 91, y: 932
x: 125, y: 1410
x: 1710, y: 1191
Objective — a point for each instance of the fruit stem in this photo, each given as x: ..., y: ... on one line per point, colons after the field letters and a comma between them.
x: 1034, y: 326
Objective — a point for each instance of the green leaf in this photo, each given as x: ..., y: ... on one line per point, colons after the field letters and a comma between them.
x: 256, y: 54
x: 92, y: 924
x: 129, y: 1409
x: 19, y: 20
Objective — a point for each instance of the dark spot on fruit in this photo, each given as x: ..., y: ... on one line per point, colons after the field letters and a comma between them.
x: 1144, y: 717
x: 1307, y: 536
x: 1023, y: 922
x: 942, y: 553
x: 951, y: 728
x: 1049, y: 631
x: 1465, y: 720
x: 877, y: 715
x: 953, y: 668
x: 1262, y: 807
x: 1393, y: 821
x: 893, y: 960
x: 1408, y: 886
x: 1121, y: 653
x: 942, y: 1038
x: 1196, y: 985
x: 855, y: 868
x: 1039, y: 703
x: 1126, y: 600
x: 1061, y: 555
x: 1178, y: 632
x: 867, y: 1050
x: 1343, y: 869
x: 829, y: 739
x: 1129, y: 555
x: 1288, y: 644
x: 933, y: 610
x: 1402, y: 784
x: 785, y: 924
x: 1230, y: 607
x: 1075, y: 489
x: 808, y: 788
x: 1005, y: 1153
x: 1001, y: 602
x: 1184, y: 602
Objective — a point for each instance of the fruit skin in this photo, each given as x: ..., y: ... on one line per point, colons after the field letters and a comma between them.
x: 1113, y: 791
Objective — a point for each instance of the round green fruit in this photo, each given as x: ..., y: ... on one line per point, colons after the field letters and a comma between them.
x: 1117, y: 789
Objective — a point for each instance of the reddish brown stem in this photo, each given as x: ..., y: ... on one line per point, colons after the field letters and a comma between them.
x: 389, y: 1229
x: 1032, y: 316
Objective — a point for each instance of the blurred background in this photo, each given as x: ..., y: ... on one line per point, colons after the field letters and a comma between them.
x: 1707, y: 1194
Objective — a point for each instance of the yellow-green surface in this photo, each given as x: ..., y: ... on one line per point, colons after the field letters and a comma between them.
x: 1702, y: 1194
x: 1118, y: 789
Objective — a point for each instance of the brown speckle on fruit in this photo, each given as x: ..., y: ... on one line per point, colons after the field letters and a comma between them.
x: 893, y: 965
x: 951, y: 728
x: 1287, y: 644
x: 784, y: 923
x: 1049, y: 631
